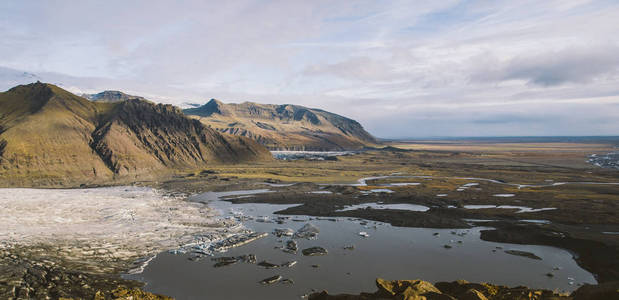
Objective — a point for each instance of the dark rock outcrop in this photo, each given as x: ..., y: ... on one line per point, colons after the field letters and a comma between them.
x: 160, y: 136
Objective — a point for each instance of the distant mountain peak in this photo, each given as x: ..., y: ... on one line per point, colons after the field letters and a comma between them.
x: 110, y: 96
x: 211, y: 107
x: 214, y: 101
x: 213, y: 104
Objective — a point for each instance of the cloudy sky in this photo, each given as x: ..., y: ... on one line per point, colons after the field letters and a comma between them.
x: 401, y: 68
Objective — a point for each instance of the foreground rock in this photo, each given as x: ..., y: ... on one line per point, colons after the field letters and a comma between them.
x: 423, y: 290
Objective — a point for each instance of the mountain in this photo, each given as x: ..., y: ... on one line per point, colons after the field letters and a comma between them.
x: 284, y: 127
x: 49, y: 136
x: 110, y: 96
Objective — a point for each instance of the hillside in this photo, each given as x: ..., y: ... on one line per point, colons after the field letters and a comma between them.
x: 284, y: 127
x: 49, y: 136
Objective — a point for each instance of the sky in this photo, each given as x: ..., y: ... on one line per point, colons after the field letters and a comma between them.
x: 401, y: 68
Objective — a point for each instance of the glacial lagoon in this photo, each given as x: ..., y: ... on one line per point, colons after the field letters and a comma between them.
x: 353, y: 261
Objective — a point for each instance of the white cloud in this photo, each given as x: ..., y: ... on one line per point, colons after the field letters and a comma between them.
x: 572, y: 65
x: 368, y: 60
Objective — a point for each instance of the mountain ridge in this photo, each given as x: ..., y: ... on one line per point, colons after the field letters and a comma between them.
x: 50, y: 136
x: 284, y: 126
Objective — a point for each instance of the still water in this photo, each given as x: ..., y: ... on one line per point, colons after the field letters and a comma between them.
x: 389, y: 252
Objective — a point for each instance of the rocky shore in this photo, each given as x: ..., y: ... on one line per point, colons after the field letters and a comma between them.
x: 463, y: 290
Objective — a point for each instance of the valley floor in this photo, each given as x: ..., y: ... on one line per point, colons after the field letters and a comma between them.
x: 104, y: 232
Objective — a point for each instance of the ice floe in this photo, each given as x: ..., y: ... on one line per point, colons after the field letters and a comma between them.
x: 399, y: 206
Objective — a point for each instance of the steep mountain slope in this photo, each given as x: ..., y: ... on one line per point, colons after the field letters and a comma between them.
x: 49, y: 136
x: 110, y: 96
x: 290, y: 127
x: 46, y: 133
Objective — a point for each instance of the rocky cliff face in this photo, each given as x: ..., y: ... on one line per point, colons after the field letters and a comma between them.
x: 140, y: 136
x: 284, y: 127
x: 49, y: 136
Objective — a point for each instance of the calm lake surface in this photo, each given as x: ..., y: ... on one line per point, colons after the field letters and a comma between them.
x: 389, y: 252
